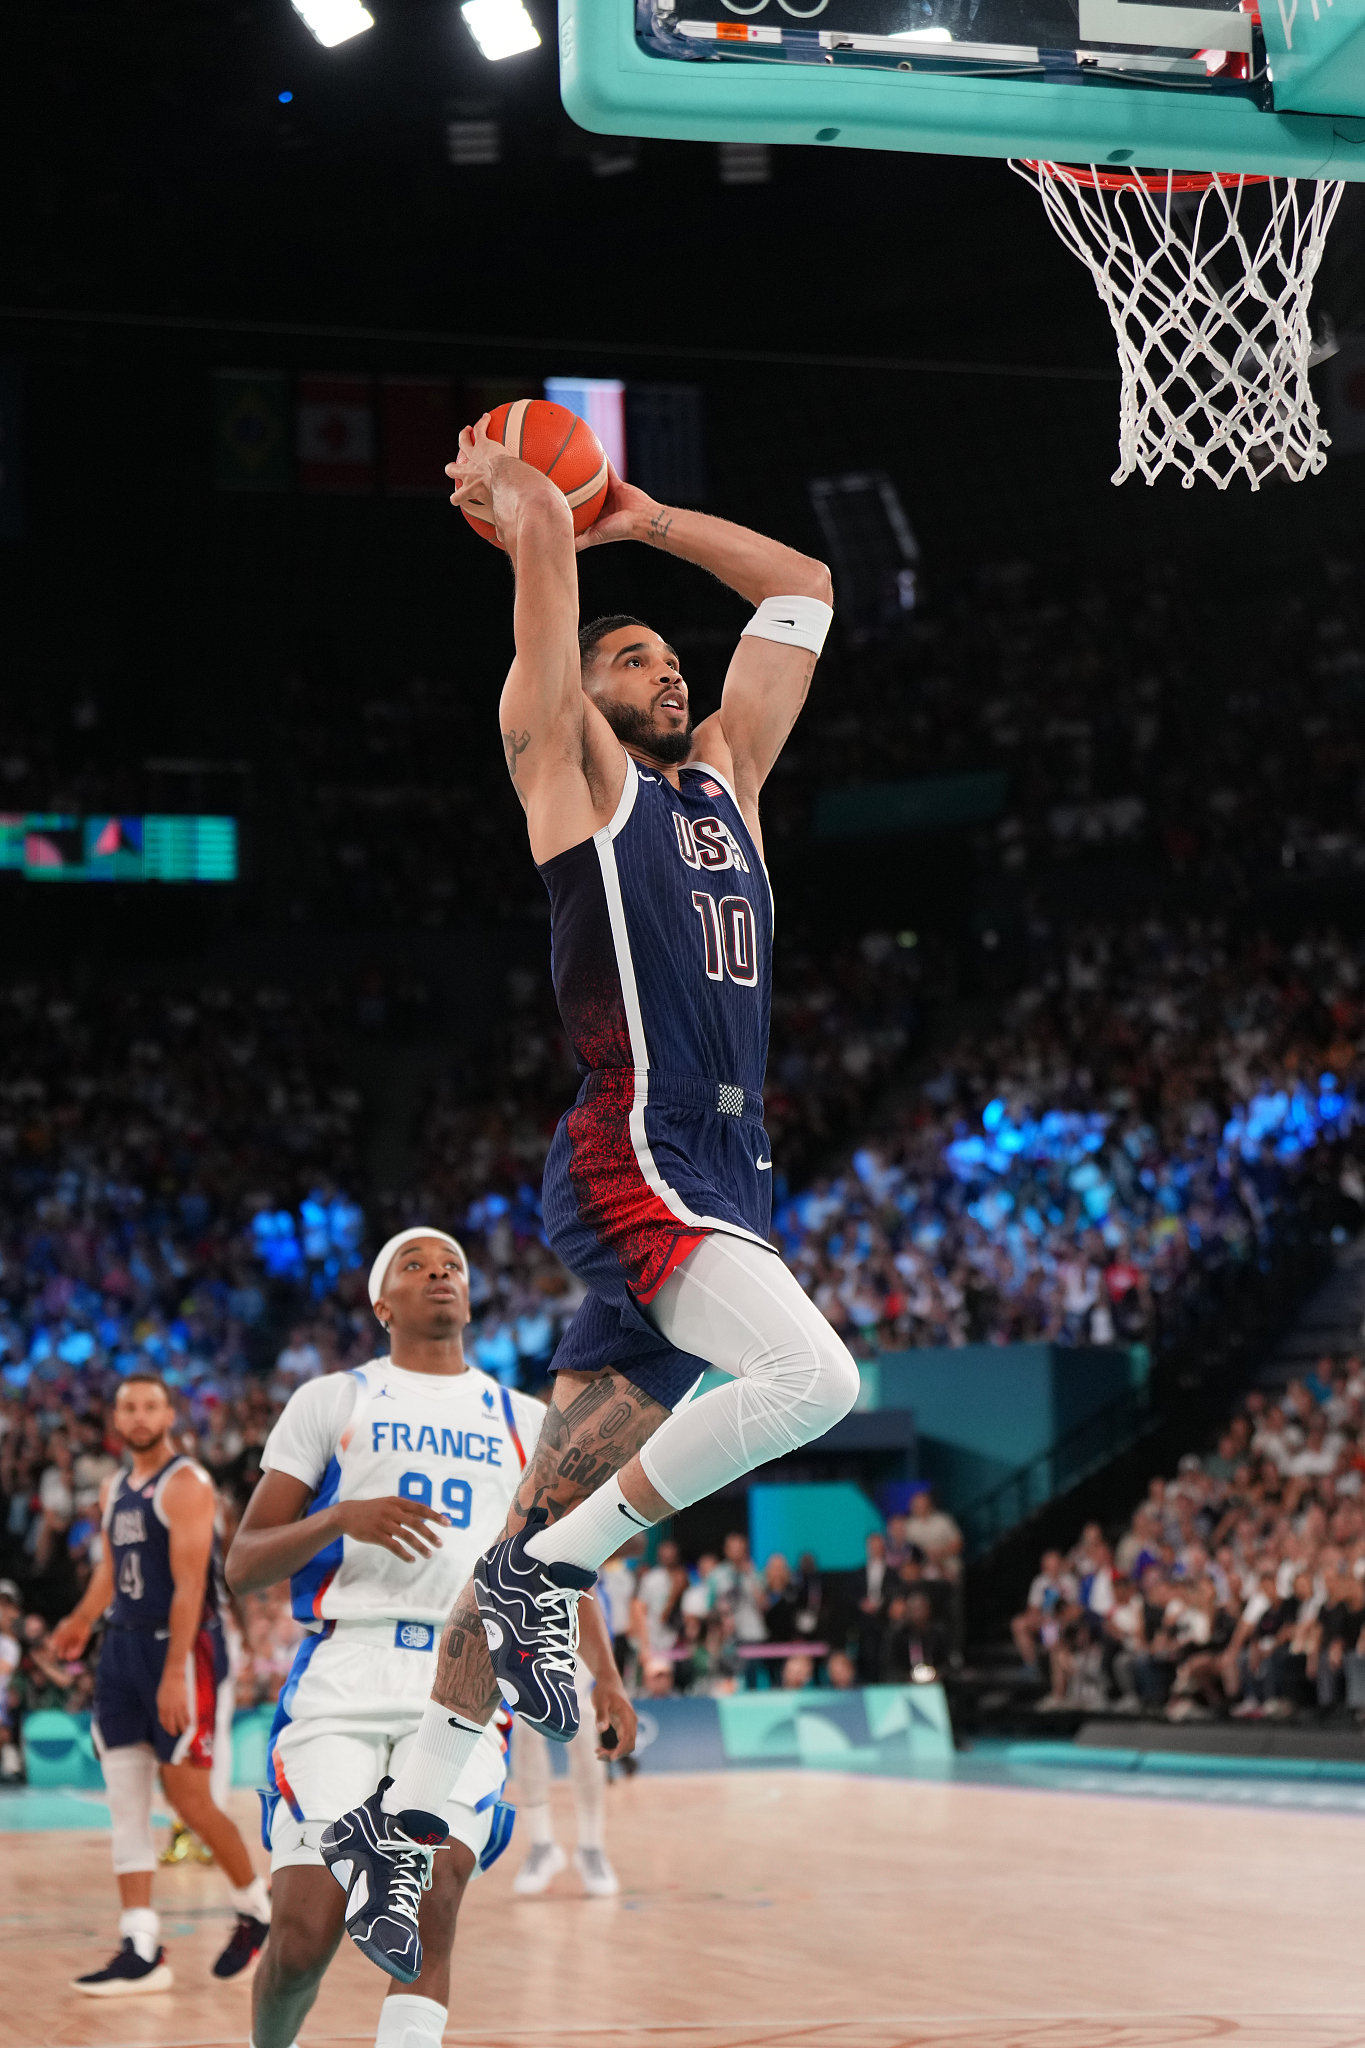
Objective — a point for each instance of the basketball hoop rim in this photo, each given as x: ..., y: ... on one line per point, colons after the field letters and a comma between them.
x: 1126, y: 179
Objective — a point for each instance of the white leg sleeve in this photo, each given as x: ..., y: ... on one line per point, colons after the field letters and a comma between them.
x: 530, y: 1766
x: 220, y: 1770
x: 589, y: 1775
x: 129, y: 1782
x: 737, y: 1306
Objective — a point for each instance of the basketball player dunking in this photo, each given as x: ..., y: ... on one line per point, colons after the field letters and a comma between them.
x: 657, y: 1189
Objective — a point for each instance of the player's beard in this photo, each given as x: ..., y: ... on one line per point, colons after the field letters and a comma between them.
x: 140, y: 1441
x: 636, y: 728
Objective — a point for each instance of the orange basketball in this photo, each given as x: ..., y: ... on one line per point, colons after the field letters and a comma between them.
x: 559, y: 444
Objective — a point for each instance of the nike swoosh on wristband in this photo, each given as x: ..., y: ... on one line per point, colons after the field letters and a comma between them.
x: 622, y: 1509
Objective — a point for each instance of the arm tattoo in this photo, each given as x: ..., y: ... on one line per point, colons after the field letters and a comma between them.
x: 592, y: 1428
x: 659, y: 528
x: 514, y: 744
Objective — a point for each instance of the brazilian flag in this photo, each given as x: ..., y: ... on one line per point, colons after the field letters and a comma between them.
x: 251, y: 439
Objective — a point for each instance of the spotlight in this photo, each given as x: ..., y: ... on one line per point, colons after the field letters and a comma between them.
x: 333, y: 21
x: 284, y: 98
x: 501, y: 28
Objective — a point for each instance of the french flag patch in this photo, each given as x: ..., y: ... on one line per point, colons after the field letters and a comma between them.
x: 710, y: 789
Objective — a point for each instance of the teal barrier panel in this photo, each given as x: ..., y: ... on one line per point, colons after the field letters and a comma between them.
x: 59, y: 1749
x: 831, y: 1519
x: 880, y: 1728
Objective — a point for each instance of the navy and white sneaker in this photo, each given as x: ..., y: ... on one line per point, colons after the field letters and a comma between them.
x: 529, y: 1612
x: 129, y: 1975
x: 246, y: 1944
x: 382, y: 1861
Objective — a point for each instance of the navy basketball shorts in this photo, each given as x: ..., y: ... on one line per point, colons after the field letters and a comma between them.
x: 130, y: 1667
x: 640, y: 1171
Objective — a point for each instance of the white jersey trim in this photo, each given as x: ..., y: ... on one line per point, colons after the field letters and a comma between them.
x: 630, y: 789
x: 639, y: 1047
x: 181, y: 1463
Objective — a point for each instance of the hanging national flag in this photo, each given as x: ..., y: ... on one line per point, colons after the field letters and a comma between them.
x: 335, y: 433
x: 416, y: 435
x: 667, y: 450
x: 250, y: 430
x: 601, y: 401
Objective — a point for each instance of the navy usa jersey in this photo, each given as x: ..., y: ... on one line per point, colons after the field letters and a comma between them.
x: 661, y: 931
x: 139, y: 1539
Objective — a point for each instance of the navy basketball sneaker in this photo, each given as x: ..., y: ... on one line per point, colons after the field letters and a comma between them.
x: 382, y: 1861
x: 529, y: 1612
x: 128, y: 1975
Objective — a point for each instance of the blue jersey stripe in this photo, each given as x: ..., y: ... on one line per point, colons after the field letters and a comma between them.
x: 307, y: 1586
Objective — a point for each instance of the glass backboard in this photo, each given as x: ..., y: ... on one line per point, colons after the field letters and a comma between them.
x: 1216, y: 48
x: 1215, y: 86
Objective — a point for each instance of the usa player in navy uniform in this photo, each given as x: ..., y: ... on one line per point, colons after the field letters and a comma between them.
x: 162, y: 1661
x: 658, y: 1185
x: 380, y: 1489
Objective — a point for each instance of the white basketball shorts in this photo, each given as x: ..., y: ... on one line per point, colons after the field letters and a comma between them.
x: 348, y: 1711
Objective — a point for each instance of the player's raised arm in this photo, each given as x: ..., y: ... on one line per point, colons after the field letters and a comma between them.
x: 561, y: 773
x: 770, y: 674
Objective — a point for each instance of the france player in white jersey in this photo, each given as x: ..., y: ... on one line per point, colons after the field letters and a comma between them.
x: 380, y: 1489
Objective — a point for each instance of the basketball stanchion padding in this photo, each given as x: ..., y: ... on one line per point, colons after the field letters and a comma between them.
x: 562, y: 446
x: 1207, y: 278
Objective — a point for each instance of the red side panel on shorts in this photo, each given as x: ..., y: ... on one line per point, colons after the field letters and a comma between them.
x: 615, y: 1200
x: 204, y: 1705
x: 285, y: 1788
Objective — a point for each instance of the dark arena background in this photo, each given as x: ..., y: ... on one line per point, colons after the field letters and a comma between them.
x: 1026, y: 1706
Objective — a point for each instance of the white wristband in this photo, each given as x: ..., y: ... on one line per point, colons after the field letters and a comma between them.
x: 792, y: 621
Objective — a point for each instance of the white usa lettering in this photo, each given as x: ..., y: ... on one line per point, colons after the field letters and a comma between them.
x: 708, y: 843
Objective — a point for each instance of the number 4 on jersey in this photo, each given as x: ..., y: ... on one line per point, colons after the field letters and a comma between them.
x: 731, y: 944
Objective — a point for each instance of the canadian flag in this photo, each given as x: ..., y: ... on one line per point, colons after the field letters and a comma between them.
x: 335, y: 423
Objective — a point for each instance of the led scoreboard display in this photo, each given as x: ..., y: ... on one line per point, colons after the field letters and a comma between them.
x: 54, y: 847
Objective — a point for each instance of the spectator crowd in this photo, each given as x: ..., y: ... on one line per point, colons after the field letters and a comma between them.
x: 184, y: 1178
x: 1237, y: 1588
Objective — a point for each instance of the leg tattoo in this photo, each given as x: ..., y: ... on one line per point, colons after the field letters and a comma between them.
x: 593, y: 1426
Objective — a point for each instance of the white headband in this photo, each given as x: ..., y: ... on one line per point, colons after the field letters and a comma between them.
x: 395, y: 1244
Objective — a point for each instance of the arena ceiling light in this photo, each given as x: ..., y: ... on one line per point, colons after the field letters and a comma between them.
x: 334, y: 21
x: 501, y: 28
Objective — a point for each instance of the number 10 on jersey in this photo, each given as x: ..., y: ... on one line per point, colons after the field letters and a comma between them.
x: 731, y: 944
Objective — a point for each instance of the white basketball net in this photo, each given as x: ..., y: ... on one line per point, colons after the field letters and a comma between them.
x: 1211, y: 314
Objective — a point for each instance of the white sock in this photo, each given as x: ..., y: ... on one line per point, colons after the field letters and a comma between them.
x: 590, y: 1533
x: 539, y: 1823
x: 408, y: 2022
x: 441, y: 1748
x: 142, y: 1926
x: 252, y: 1898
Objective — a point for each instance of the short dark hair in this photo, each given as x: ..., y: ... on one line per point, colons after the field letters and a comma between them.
x: 144, y: 1379
x: 597, y: 630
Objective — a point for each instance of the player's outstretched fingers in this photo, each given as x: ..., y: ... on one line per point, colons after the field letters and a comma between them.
x: 410, y: 1529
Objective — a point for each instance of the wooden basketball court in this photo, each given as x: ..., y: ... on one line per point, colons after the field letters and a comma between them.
x: 792, y: 1907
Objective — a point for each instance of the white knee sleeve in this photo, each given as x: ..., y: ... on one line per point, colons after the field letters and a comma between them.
x: 129, y: 1781
x: 736, y: 1305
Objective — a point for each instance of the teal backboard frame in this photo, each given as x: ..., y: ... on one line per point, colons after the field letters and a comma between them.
x: 1307, y: 119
